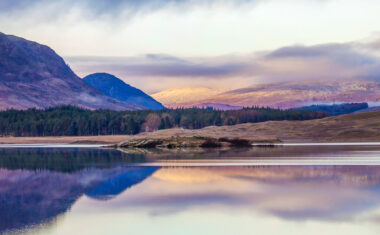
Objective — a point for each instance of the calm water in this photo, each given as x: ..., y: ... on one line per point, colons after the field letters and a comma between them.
x: 281, y: 190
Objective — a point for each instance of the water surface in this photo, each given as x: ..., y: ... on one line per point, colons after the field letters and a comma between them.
x: 104, y: 191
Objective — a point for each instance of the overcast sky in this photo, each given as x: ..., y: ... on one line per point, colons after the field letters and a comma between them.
x: 158, y: 44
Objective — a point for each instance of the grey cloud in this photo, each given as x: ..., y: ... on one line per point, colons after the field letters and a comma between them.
x: 155, y: 65
x: 9, y: 5
x: 182, y: 70
x: 98, y: 6
x: 111, y: 8
x: 328, y: 61
x: 375, y: 45
x: 300, y: 51
x: 342, y: 53
x: 165, y: 58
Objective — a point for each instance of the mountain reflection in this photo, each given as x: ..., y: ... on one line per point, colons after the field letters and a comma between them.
x: 33, y: 197
x: 117, y: 184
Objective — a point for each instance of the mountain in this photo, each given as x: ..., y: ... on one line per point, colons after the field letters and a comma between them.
x: 291, y: 94
x: 116, y: 88
x: 34, y: 76
x: 176, y: 97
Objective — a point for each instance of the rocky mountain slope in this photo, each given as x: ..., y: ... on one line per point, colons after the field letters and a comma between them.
x: 34, y: 76
x: 116, y: 88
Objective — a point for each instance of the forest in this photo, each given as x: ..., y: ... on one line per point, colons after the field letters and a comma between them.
x: 74, y: 121
x: 336, y: 109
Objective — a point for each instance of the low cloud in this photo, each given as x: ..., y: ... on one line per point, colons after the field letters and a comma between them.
x: 342, y: 53
x: 375, y: 45
x: 292, y: 63
x: 328, y: 61
x: 153, y: 65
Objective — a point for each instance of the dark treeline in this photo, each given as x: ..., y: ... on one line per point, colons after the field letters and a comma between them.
x: 73, y: 121
x: 336, y: 109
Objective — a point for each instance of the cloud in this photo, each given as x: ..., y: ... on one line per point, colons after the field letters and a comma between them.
x: 185, y: 28
x: 155, y: 72
x: 180, y: 70
x: 375, y: 44
x: 343, y: 53
x: 108, y: 7
x: 326, y: 61
x: 157, y: 65
x: 336, y: 61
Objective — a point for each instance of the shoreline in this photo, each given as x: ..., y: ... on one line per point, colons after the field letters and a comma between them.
x: 116, y: 141
x: 104, y: 139
x: 107, y: 145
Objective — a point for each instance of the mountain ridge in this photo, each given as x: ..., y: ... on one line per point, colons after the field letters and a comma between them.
x: 34, y: 76
x: 171, y: 97
x: 118, y: 89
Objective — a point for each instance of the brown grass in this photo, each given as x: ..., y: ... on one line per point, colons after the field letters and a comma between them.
x: 346, y: 128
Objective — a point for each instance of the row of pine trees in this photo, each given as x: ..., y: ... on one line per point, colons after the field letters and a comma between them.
x: 74, y: 121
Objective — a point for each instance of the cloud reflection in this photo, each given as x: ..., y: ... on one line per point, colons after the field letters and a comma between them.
x: 326, y: 193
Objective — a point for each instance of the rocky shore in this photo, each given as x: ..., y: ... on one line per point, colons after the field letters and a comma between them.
x: 192, y: 142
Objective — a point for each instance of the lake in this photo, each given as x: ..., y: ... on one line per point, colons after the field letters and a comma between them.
x: 308, y: 189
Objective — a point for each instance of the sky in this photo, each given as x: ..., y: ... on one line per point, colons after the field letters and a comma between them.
x: 160, y: 44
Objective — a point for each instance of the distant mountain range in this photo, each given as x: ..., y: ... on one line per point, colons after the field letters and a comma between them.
x: 180, y: 96
x: 278, y: 95
x: 116, y: 88
x: 34, y: 76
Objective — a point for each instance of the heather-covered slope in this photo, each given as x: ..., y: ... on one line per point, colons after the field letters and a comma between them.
x: 34, y: 76
x: 281, y: 95
x: 116, y: 88
x: 178, y: 96
x: 296, y: 94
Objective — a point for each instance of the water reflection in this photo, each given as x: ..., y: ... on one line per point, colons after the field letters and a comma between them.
x: 64, y: 160
x: 33, y: 197
x: 102, y: 196
x: 292, y: 193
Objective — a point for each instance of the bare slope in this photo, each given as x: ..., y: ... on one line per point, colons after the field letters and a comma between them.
x: 179, y: 96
